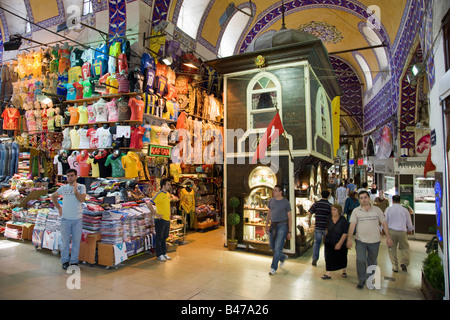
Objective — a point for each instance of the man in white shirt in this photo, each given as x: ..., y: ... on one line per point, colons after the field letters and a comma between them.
x: 399, y: 223
x: 368, y: 218
x: 341, y: 194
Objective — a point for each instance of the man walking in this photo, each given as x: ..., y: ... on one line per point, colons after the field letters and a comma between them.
x: 368, y: 218
x: 341, y: 194
x: 280, y: 219
x: 399, y: 223
x: 74, y: 194
x: 162, y: 218
x: 322, y: 209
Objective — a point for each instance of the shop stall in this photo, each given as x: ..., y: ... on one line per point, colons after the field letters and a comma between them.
x: 288, y: 73
x: 118, y: 121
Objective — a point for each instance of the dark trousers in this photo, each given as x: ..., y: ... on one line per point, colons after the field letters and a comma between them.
x: 162, y: 232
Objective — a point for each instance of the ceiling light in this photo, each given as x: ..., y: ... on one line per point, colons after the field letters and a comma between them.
x: 13, y: 44
x: 168, y: 60
x: 190, y: 65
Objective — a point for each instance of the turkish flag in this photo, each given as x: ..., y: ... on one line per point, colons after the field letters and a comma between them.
x: 429, y: 165
x: 274, y: 130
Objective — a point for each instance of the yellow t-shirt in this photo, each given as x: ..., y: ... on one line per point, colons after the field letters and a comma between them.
x: 187, y: 200
x: 162, y: 203
x: 113, y: 83
x: 95, y: 168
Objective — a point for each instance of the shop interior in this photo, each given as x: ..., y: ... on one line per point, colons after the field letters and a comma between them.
x: 116, y: 118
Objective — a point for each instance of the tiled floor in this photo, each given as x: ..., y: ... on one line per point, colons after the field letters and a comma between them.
x: 202, y: 269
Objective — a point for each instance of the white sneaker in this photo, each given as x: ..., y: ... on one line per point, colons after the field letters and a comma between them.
x: 161, y: 258
x: 167, y: 257
x: 272, y: 272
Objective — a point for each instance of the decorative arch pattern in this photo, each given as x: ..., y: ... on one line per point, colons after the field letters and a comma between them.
x: 273, y: 13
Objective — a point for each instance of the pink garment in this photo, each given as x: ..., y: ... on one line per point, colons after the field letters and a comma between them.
x: 113, y: 111
x: 91, y: 114
x: 31, y: 120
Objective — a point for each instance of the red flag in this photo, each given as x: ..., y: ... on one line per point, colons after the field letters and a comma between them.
x: 274, y: 130
x: 429, y: 165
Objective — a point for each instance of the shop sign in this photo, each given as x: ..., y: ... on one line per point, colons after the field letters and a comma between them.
x: 351, y: 162
x: 360, y: 162
x: 438, y: 205
x: 159, y: 151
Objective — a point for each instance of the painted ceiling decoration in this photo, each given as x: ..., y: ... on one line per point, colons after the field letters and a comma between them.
x: 342, y: 25
x: 325, y: 32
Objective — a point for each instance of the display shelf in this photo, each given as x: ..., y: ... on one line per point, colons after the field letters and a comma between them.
x: 257, y: 209
x: 105, y: 96
x: 101, y: 123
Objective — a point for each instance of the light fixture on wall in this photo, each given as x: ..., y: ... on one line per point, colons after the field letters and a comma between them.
x: 190, y: 60
x: 14, y: 43
x: 168, y: 60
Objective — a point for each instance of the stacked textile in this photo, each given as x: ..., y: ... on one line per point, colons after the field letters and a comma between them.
x: 111, y: 229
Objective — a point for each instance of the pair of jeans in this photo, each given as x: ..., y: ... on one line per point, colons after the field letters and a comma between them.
x: 162, y: 233
x: 70, y: 230
x: 319, y: 234
x: 277, y: 237
x: 366, y: 256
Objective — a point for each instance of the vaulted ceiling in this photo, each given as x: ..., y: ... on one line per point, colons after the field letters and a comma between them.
x: 345, y: 26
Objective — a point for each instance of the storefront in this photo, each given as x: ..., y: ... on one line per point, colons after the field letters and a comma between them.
x: 417, y: 194
x: 257, y: 86
x: 123, y: 123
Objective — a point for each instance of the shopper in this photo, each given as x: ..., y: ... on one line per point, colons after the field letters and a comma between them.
x: 322, y: 210
x: 351, y: 186
x: 399, y: 223
x: 373, y: 195
x: 333, y: 183
x: 350, y: 204
x: 363, y: 188
x: 334, y: 243
x: 341, y: 194
x: 162, y: 218
x: 74, y: 194
x: 381, y: 202
x: 331, y: 199
x: 368, y: 218
x: 280, y: 219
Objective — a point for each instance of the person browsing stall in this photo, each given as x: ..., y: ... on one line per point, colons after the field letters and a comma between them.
x: 74, y: 194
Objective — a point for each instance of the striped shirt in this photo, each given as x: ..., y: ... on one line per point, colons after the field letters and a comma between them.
x: 124, y: 83
x: 322, y: 209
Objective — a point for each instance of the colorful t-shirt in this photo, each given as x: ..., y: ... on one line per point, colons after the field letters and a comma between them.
x: 10, y: 119
x: 113, y: 112
x: 83, y: 112
x: 84, y: 139
x: 116, y: 164
x: 87, y: 88
x: 74, y: 115
x: 104, y: 138
x: 93, y: 138
x: 137, y: 109
x: 136, y: 137
x: 101, y: 114
x: 74, y: 138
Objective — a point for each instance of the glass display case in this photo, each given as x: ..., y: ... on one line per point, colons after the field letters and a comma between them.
x: 261, y: 181
x: 424, y: 199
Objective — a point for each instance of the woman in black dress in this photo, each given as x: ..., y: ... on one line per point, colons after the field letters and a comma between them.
x: 335, y: 248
